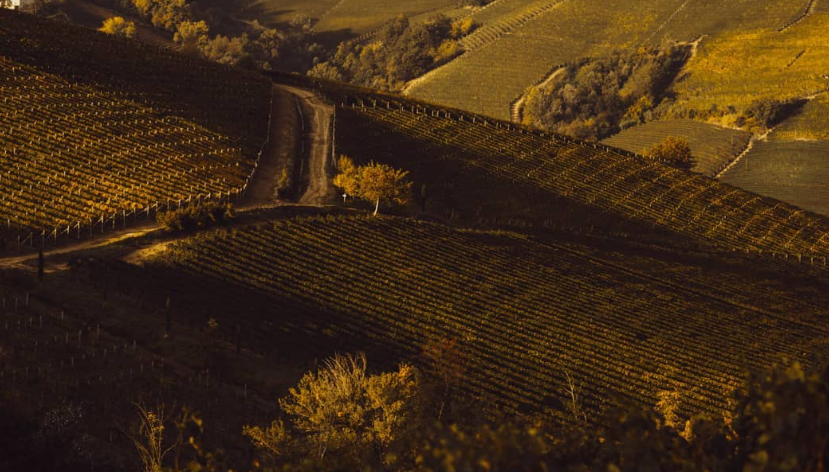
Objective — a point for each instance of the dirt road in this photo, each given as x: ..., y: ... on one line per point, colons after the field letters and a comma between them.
x: 318, y: 117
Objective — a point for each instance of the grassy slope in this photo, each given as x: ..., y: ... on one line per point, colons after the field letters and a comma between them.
x: 201, y: 90
x: 737, y: 68
x: 810, y: 123
x: 712, y: 146
x: 89, y: 14
x: 620, y: 319
x: 793, y: 171
x: 579, y: 28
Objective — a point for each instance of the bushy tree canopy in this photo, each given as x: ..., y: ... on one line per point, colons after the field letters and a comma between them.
x: 191, y: 36
x: 673, y: 151
x: 373, y: 182
x: 344, y: 411
x: 398, y: 53
x: 596, y: 98
x: 118, y: 26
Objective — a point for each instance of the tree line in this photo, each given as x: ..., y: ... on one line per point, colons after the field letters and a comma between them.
x: 399, y: 52
x: 596, y: 98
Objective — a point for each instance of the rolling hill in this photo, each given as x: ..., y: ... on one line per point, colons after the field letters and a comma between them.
x: 574, y: 29
x: 545, y: 258
x: 97, y: 130
x: 623, y: 318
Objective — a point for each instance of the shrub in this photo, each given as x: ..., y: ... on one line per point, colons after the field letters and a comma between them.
x: 673, y: 151
x: 118, y: 26
x: 769, y: 112
x: 196, y: 216
x: 399, y: 52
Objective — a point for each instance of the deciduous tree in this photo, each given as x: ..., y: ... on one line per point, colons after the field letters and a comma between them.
x: 191, y: 36
x: 374, y: 182
x: 673, y: 151
x: 343, y: 409
x: 117, y: 26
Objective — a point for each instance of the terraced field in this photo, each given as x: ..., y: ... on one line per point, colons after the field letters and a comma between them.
x: 524, y: 311
x: 88, y: 143
x: 361, y: 16
x: 712, y: 146
x: 440, y: 144
x: 796, y: 172
x: 72, y: 154
x: 515, y: 18
x: 582, y: 28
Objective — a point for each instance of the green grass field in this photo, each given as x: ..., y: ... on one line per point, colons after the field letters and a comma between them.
x: 712, y: 146
x: 621, y: 320
x: 582, y: 28
x: 796, y: 172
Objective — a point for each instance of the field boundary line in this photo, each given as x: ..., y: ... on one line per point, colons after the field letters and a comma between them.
x: 517, y: 104
x: 507, y: 26
x: 322, y: 17
x: 668, y: 20
x: 807, y: 12
x: 749, y: 146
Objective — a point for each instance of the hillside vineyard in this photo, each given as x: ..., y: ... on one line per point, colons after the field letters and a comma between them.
x: 101, y: 143
x: 72, y: 154
x: 525, y: 311
x: 606, y: 179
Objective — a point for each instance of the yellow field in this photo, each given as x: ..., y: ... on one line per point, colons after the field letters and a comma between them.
x: 812, y: 122
x: 735, y: 69
x: 490, y: 78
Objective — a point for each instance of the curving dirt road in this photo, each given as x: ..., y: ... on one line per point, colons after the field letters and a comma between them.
x: 318, y: 192
x: 318, y: 117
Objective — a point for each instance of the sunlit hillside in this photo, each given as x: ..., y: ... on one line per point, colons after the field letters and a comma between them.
x: 436, y: 235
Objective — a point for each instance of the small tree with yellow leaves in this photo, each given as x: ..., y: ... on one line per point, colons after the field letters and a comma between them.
x: 343, y: 409
x: 673, y: 151
x: 373, y: 182
x: 117, y: 26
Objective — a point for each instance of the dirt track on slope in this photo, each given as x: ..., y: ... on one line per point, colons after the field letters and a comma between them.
x: 318, y: 117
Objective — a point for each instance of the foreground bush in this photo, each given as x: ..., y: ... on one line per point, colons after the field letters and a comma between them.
x: 780, y: 423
